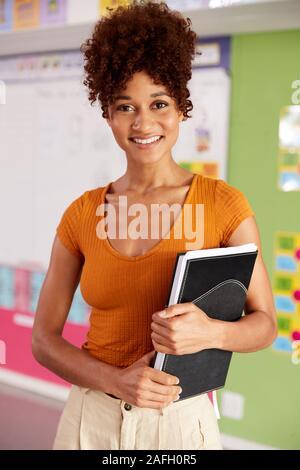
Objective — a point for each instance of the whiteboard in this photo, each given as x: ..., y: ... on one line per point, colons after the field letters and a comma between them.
x: 54, y: 146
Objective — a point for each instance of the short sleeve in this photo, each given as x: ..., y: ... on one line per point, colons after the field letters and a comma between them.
x: 232, y: 207
x: 69, y: 227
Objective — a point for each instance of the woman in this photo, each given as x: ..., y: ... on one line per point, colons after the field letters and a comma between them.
x: 138, y: 63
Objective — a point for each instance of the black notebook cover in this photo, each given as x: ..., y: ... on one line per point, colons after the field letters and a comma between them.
x: 218, y: 285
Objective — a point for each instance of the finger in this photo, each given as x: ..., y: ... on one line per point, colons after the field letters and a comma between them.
x: 168, y: 323
x: 162, y: 340
x: 160, y: 330
x: 161, y: 377
x: 154, y: 404
x: 156, y: 391
x: 147, y: 357
x: 185, y: 348
x: 161, y: 398
x: 176, y: 309
x: 163, y: 349
x: 165, y: 322
x: 165, y: 390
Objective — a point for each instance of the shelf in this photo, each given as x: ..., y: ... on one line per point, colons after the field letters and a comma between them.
x: 252, y: 18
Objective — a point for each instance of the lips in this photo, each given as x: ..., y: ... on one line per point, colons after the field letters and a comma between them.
x: 144, y: 138
x: 146, y: 146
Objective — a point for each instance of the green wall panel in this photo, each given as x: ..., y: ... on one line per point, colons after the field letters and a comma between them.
x: 263, y: 68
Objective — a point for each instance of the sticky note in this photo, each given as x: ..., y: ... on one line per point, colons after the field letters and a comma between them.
x: 286, y: 263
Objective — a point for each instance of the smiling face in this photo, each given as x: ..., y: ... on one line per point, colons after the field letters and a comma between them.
x: 143, y: 111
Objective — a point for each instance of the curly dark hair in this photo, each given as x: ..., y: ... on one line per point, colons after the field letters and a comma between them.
x: 143, y: 36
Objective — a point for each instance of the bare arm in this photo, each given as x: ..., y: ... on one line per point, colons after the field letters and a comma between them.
x: 48, y: 346
x: 258, y: 328
x: 185, y: 329
x: 138, y: 384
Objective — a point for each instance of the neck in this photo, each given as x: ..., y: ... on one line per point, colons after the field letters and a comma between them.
x: 147, y: 179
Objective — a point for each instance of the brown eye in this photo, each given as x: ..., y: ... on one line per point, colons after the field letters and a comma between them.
x: 121, y: 108
x: 161, y: 102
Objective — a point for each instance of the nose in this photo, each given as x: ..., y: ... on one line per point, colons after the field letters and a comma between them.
x: 143, y: 121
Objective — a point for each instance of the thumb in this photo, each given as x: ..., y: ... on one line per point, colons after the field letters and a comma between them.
x: 147, y: 357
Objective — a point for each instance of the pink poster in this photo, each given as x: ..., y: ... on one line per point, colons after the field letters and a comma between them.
x: 22, y: 289
x: 19, y: 293
x: 16, y: 335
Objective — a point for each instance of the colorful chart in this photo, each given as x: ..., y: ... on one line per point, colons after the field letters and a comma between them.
x: 19, y: 293
x: 20, y: 289
x: 287, y: 290
x: 26, y: 14
x: 203, y: 168
x: 204, y: 138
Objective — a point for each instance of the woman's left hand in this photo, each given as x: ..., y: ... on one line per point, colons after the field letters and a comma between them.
x: 185, y: 329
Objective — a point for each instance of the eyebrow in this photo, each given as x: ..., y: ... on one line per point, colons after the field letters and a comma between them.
x: 153, y: 95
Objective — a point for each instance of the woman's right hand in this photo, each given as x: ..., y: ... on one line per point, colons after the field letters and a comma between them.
x: 145, y: 387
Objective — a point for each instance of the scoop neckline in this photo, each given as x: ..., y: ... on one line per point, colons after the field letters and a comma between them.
x: 161, y: 242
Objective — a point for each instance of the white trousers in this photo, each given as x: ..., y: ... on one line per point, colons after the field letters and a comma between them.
x: 92, y: 420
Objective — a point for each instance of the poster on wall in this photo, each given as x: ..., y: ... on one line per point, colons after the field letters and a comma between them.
x: 26, y: 14
x: 203, y: 140
x: 103, y: 4
x: 287, y: 290
x: 5, y: 15
x: 53, y: 12
x: 19, y: 293
x: 289, y: 149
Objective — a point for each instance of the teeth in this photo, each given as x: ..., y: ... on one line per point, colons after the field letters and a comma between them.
x: 147, y: 141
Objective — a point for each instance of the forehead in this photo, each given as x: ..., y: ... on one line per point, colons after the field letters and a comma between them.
x: 152, y: 95
x: 141, y: 84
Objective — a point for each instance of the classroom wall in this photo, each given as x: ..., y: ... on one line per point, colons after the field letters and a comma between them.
x: 263, y: 69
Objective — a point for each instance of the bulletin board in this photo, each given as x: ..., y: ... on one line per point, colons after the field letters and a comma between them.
x: 55, y: 146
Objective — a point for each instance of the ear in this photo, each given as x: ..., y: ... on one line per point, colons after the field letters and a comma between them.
x: 108, y: 118
x: 181, y: 117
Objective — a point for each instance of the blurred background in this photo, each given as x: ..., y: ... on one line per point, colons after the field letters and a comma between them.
x: 54, y: 146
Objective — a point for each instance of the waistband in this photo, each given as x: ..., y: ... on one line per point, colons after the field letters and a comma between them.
x: 110, y: 395
x: 117, y: 403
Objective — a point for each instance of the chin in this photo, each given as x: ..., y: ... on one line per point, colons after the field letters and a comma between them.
x: 148, y: 158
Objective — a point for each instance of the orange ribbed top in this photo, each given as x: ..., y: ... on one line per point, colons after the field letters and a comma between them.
x: 125, y: 291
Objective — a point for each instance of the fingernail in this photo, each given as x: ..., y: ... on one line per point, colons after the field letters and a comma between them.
x: 163, y: 313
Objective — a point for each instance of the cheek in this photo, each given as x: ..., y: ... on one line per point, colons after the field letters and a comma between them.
x: 119, y: 135
x: 119, y: 129
x: 171, y: 125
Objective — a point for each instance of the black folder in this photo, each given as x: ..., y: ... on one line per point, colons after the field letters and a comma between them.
x: 216, y: 280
